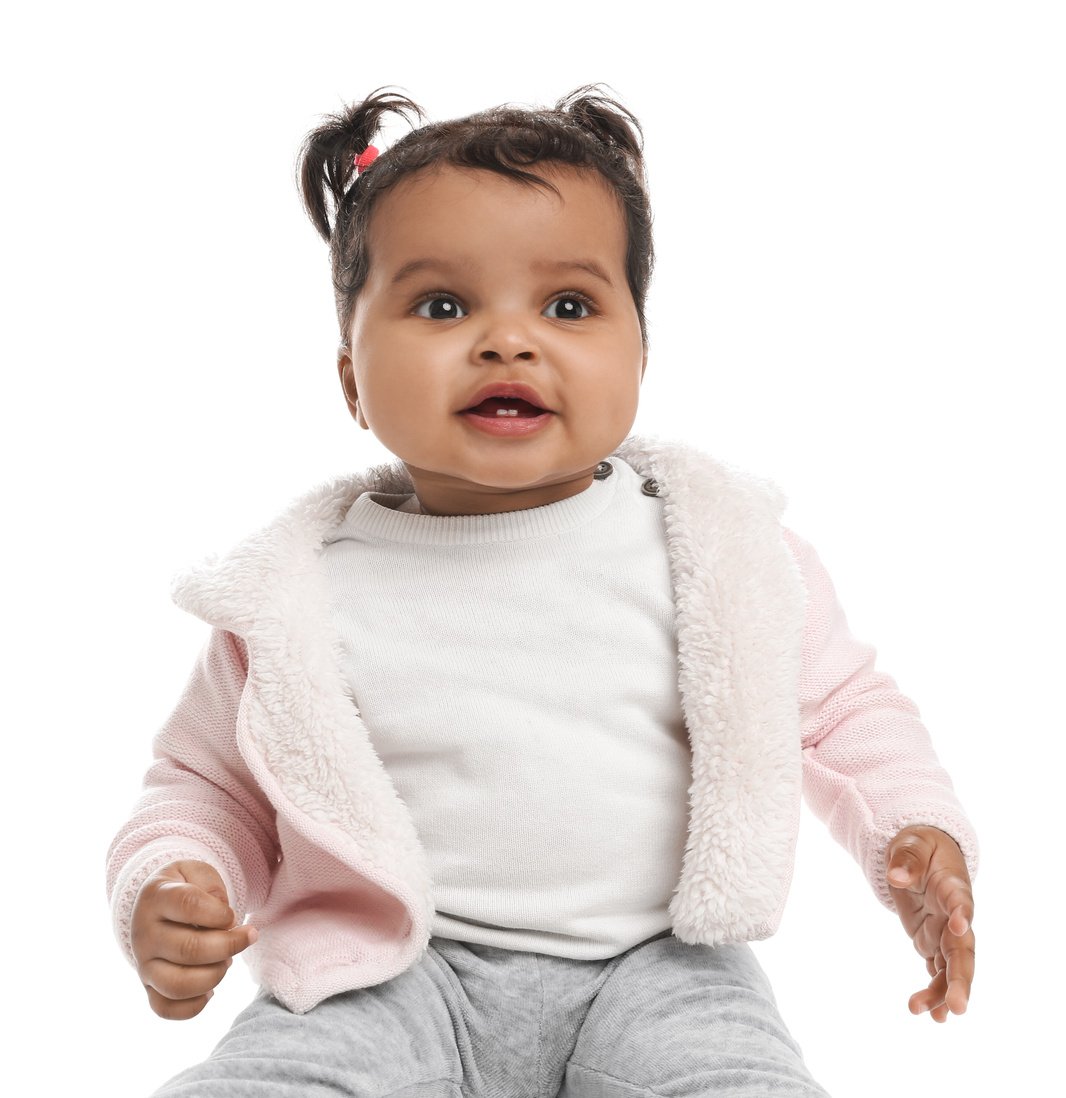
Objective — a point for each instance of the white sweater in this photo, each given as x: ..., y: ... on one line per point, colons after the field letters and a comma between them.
x: 510, y: 667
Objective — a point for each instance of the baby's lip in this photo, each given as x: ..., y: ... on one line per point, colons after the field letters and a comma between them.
x: 516, y: 389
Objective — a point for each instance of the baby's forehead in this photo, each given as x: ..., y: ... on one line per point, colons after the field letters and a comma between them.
x: 468, y: 218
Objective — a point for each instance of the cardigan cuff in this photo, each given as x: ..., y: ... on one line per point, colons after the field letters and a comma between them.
x: 153, y: 856
x: 952, y: 823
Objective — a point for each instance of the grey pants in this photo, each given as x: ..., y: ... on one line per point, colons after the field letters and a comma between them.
x: 472, y: 1021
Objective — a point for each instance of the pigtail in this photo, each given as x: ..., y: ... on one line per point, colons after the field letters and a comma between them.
x: 327, y: 175
x: 607, y: 120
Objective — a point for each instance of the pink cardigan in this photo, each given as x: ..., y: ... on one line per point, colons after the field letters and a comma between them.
x: 266, y: 771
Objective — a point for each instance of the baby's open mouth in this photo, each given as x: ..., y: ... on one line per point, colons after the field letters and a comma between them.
x: 505, y: 406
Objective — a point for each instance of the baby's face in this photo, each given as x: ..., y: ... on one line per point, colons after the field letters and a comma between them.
x: 477, y: 280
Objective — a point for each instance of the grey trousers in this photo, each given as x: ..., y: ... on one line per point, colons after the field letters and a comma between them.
x: 471, y: 1021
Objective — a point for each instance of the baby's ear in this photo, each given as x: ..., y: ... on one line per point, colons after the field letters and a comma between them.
x: 346, y: 372
x: 644, y: 363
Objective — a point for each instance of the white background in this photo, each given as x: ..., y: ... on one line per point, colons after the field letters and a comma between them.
x: 860, y: 291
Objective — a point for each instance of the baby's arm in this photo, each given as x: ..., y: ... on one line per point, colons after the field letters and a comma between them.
x: 200, y: 807
x: 871, y: 774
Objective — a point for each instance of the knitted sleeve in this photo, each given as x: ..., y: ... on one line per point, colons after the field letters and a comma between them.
x: 869, y: 768
x: 199, y: 799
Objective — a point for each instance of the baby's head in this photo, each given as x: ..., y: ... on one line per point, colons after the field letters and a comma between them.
x: 506, y: 251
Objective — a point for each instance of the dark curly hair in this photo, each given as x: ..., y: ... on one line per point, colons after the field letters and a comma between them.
x: 585, y: 129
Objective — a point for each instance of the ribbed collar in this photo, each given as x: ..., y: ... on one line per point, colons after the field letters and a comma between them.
x: 375, y: 515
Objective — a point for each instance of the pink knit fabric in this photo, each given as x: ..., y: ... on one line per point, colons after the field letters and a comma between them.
x: 867, y: 757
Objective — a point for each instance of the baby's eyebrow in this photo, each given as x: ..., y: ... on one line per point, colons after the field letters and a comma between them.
x: 589, y: 266
x: 417, y: 266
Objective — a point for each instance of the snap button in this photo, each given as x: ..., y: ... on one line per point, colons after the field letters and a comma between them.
x: 603, y: 470
x: 650, y: 487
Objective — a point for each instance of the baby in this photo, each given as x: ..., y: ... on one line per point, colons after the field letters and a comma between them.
x: 499, y: 748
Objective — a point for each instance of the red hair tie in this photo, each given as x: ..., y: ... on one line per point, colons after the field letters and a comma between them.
x: 364, y: 159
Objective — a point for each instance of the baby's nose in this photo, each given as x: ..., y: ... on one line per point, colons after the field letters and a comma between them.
x: 507, y: 339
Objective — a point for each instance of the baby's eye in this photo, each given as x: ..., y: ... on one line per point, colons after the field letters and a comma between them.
x: 569, y: 307
x: 439, y: 307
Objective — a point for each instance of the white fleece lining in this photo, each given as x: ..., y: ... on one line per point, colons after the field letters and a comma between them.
x: 740, y: 617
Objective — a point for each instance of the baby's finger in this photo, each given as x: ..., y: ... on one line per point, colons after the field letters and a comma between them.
x: 959, y: 955
x: 186, y: 945
x: 954, y: 897
x: 179, y: 982
x: 176, y: 1009
x: 188, y: 904
x: 959, y: 906
x: 930, y: 997
x: 959, y: 920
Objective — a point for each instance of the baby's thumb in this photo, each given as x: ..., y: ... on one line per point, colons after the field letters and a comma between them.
x: 907, y: 861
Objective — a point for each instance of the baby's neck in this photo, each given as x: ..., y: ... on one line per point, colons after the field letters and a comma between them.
x: 445, y: 496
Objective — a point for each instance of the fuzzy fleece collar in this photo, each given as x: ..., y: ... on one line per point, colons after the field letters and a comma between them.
x: 740, y: 615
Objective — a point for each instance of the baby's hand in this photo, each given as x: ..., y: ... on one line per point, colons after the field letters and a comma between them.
x: 930, y: 885
x: 183, y: 937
